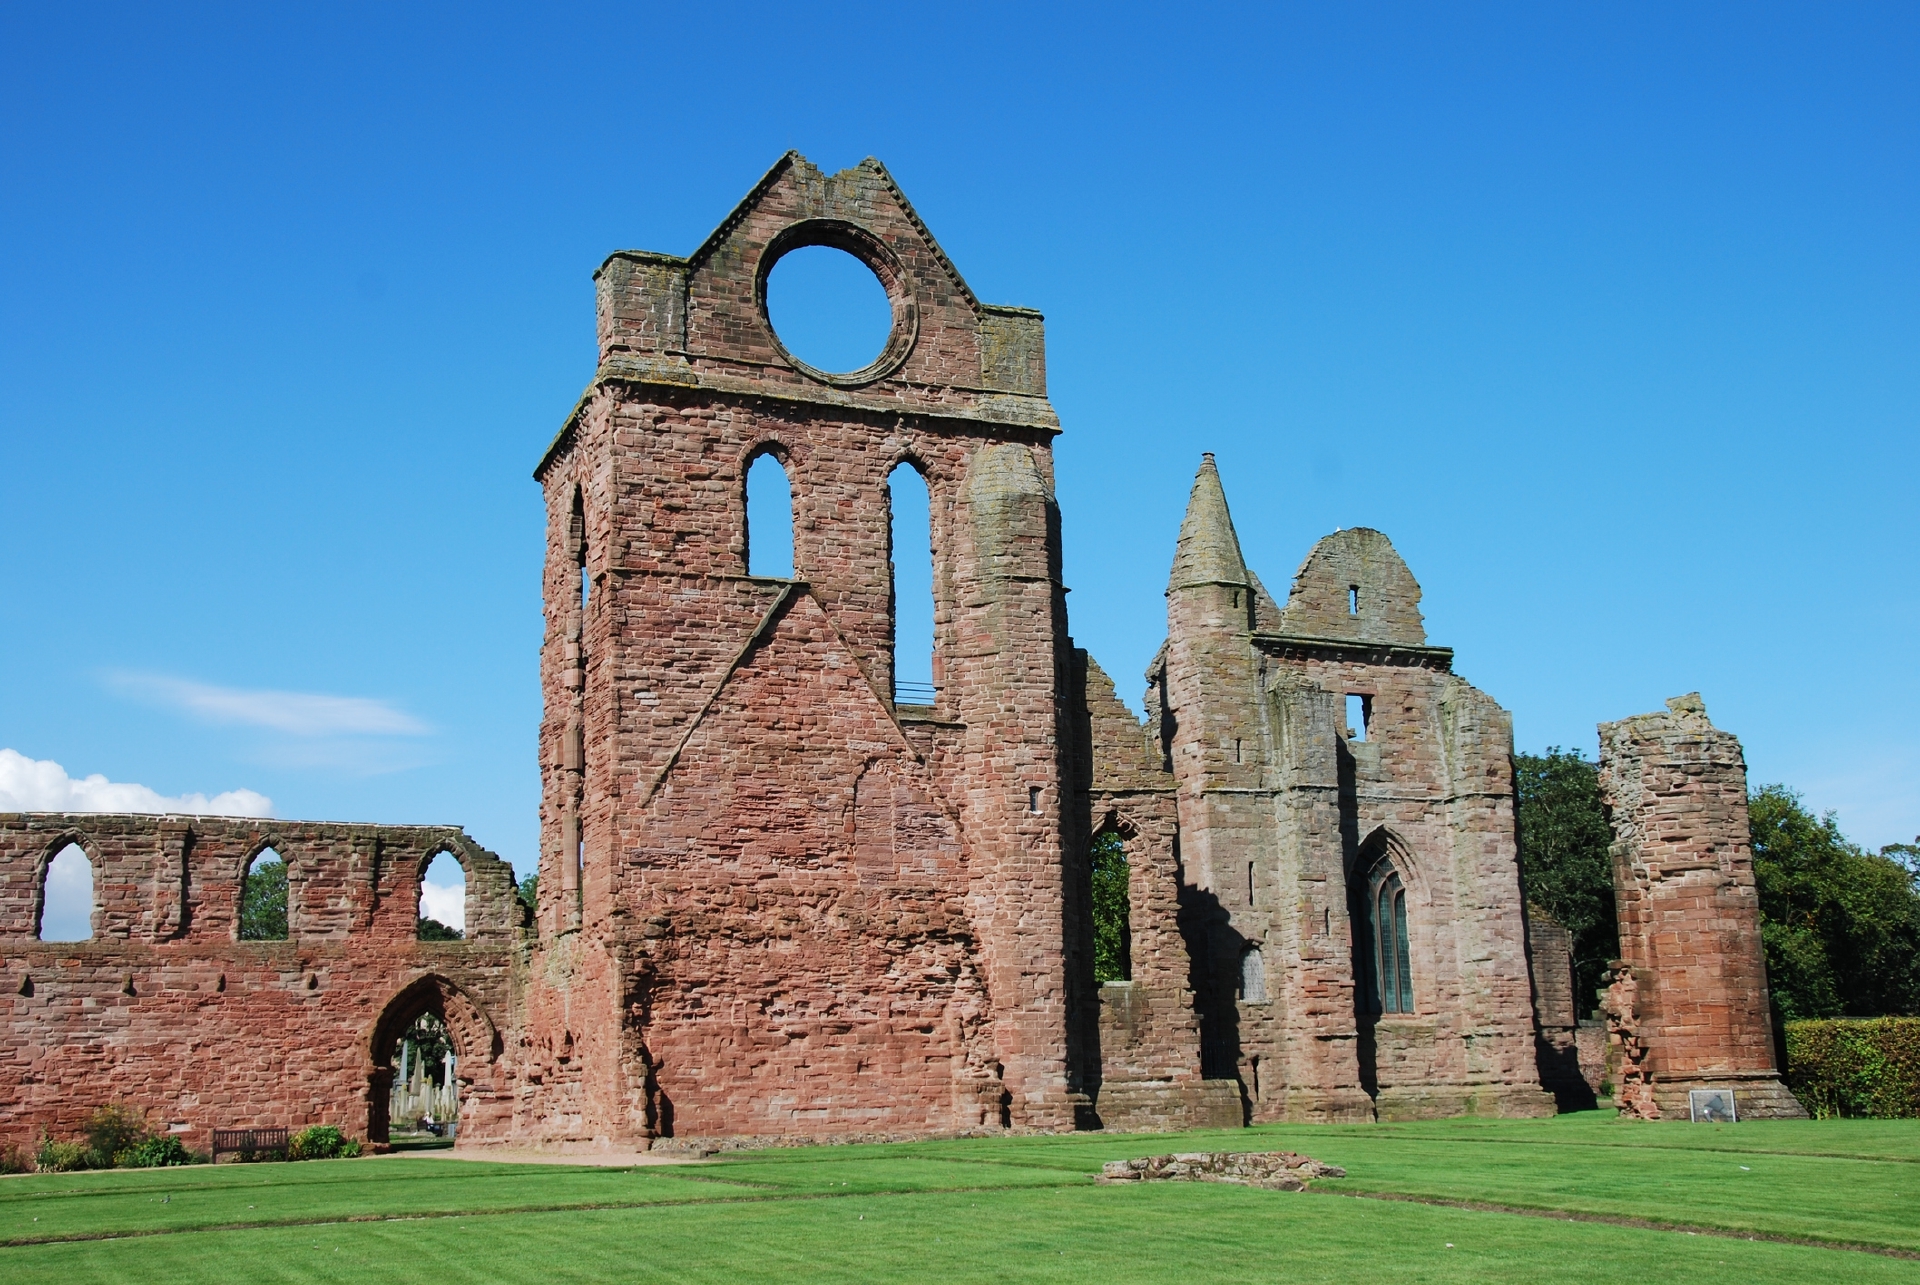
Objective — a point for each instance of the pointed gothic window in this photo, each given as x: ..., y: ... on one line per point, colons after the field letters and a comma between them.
x: 263, y: 899
x: 1391, y: 958
x: 66, y: 903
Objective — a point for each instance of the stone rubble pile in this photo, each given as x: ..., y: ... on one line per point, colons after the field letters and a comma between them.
x: 1274, y: 1170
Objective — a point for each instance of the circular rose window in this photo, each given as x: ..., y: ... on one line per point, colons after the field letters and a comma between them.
x: 834, y: 301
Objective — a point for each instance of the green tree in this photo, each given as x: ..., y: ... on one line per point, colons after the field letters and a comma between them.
x: 432, y: 929
x: 263, y: 903
x: 1112, y: 937
x: 1565, y: 868
x: 1841, y: 925
x: 431, y: 1043
x: 530, y: 894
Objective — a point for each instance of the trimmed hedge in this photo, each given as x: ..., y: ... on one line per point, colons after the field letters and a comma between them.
x: 1856, y: 1066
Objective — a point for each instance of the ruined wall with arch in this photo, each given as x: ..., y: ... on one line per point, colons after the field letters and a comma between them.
x: 167, y: 1010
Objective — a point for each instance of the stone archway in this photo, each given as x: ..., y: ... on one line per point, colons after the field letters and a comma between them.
x: 476, y: 1043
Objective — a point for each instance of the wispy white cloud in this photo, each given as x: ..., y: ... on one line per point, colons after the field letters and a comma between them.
x: 448, y: 905
x: 295, y: 713
x: 41, y: 785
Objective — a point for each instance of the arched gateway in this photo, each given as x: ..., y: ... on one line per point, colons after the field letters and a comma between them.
x: 476, y: 1048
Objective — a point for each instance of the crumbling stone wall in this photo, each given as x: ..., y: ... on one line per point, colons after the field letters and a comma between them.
x: 774, y: 904
x: 1687, y: 1007
x: 1283, y: 810
x: 1148, y: 1073
x: 165, y: 1009
x: 1555, y: 1013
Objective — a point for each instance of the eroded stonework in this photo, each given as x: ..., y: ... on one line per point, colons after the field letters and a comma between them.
x: 1293, y: 823
x: 167, y: 1010
x: 777, y: 902
x: 1687, y: 1008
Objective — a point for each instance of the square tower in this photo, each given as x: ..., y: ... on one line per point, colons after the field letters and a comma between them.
x: 774, y: 900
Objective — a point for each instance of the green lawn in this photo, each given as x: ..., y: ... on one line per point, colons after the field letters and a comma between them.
x: 1023, y: 1209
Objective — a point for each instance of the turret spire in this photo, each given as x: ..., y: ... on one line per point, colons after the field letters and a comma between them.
x: 1208, y: 552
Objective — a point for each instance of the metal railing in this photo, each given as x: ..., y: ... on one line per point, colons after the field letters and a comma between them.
x: 915, y: 693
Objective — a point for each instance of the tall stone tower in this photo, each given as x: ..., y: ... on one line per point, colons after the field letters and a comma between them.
x: 774, y: 902
x: 1687, y: 1008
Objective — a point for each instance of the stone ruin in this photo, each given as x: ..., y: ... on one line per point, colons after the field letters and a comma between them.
x: 777, y: 900
x: 1273, y: 1170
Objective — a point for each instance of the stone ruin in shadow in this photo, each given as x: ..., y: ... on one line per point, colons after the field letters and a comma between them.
x: 779, y: 900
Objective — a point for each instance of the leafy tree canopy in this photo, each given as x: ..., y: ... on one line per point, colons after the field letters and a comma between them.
x: 1565, y: 868
x: 263, y: 903
x: 1841, y: 925
x: 432, y: 929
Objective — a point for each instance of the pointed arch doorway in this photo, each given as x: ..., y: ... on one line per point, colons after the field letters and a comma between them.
x: 471, y: 1033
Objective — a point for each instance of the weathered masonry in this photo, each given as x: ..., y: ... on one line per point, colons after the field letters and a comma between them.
x: 1687, y: 1008
x: 775, y: 900
x: 167, y: 1009
x: 790, y: 890
x: 1344, y: 809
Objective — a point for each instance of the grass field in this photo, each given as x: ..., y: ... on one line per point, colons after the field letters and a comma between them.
x: 1584, y: 1198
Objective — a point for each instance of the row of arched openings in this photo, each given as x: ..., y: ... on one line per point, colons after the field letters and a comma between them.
x: 67, y: 900
x: 769, y: 541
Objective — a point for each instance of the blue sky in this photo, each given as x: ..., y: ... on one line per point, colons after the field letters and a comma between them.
x: 1607, y: 314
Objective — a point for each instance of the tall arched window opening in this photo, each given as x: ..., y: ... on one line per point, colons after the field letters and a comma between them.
x: 263, y: 899
x: 1112, y: 924
x: 1389, y: 955
x: 66, y: 906
x: 911, y: 550
x: 443, y: 900
x: 769, y: 519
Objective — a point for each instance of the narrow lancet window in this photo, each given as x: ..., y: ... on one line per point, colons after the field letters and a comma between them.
x: 1112, y: 910
x: 66, y: 907
x: 769, y: 519
x: 263, y: 899
x: 1359, y: 713
x: 911, y: 545
x: 443, y: 900
x: 1391, y: 954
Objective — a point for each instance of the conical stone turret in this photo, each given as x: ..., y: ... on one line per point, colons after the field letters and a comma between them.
x: 1208, y: 552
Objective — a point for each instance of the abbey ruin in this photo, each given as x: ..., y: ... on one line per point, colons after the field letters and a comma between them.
x: 779, y: 900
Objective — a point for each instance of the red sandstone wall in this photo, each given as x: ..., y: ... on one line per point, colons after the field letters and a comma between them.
x: 167, y: 1011
x: 1148, y: 1035
x: 800, y: 912
x: 1281, y: 809
x: 1689, y: 1005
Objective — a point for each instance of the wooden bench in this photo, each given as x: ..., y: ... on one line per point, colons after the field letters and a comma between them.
x: 249, y: 1143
